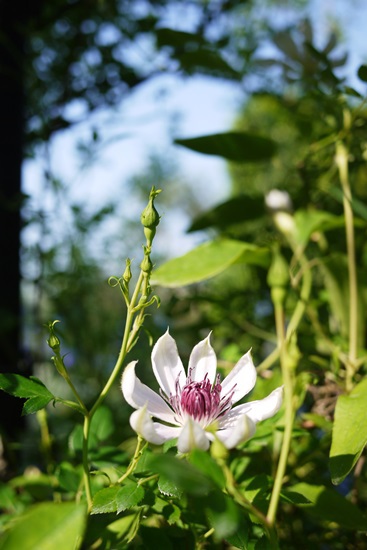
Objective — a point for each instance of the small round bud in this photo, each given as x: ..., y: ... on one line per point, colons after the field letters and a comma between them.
x: 146, y: 265
x: 53, y: 341
x: 150, y: 217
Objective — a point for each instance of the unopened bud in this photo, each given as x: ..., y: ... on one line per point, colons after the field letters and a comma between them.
x: 150, y: 217
x: 127, y: 273
x: 53, y: 341
x: 146, y: 265
x: 278, y: 274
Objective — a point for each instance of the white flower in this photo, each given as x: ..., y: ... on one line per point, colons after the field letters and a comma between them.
x: 197, y: 407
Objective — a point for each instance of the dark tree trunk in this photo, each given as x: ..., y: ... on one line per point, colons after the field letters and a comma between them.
x: 12, y: 19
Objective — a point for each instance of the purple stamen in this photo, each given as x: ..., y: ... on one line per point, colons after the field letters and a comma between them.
x: 200, y: 400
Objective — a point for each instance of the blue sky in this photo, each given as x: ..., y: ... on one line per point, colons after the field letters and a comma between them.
x: 201, y: 106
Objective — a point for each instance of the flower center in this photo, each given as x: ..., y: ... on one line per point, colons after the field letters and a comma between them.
x: 201, y: 400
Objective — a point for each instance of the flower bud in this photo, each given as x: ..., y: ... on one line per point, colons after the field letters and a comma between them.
x: 127, y: 273
x: 53, y: 341
x: 278, y: 274
x: 146, y: 265
x: 150, y: 217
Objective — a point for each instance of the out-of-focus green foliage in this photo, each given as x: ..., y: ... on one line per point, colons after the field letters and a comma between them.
x: 306, y: 328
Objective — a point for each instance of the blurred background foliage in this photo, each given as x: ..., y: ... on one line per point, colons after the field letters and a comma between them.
x: 64, y: 61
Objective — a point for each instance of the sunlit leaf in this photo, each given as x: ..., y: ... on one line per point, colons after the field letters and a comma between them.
x: 47, y: 526
x: 125, y: 528
x: 32, y: 389
x: 349, y: 432
x: 208, y: 260
x: 168, y: 487
x: 336, y: 279
x: 128, y: 496
x: 104, y: 501
x: 102, y: 425
x: 235, y: 146
x: 310, y: 221
x: 329, y: 505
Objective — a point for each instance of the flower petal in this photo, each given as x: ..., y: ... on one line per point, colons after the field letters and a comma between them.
x: 256, y: 410
x: 141, y: 423
x: 192, y: 436
x: 243, y: 429
x: 203, y: 361
x: 138, y: 394
x: 167, y: 432
x: 242, y: 376
x: 167, y: 365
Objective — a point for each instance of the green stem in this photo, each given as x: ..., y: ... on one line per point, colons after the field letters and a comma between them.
x: 125, y: 348
x: 286, y: 364
x: 268, y: 361
x: 288, y: 398
x: 342, y: 163
x: 46, y: 442
x: 303, y: 298
x: 247, y: 505
x: 86, y: 475
x: 134, y: 461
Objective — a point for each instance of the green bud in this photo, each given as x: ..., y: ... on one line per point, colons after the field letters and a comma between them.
x: 218, y: 450
x: 53, y: 341
x: 278, y: 274
x: 127, y: 273
x: 150, y: 217
x: 146, y: 265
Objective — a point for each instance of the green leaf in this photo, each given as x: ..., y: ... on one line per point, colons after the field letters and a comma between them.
x: 349, y: 432
x: 206, y: 464
x: 235, y: 146
x: 102, y: 425
x: 177, y: 39
x: 206, y: 60
x: 153, y: 538
x: 208, y: 260
x: 104, y: 501
x: 236, y: 210
x: 184, y: 475
x: 223, y: 515
x: 126, y: 527
x: 32, y: 389
x: 129, y: 496
x: 293, y: 498
x: 47, y: 526
x: 309, y: 221
x: 240, y: 538
x: 362, y: 73
x: 168, y: 487
x: 329, y: 505
x: 69, y: 476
